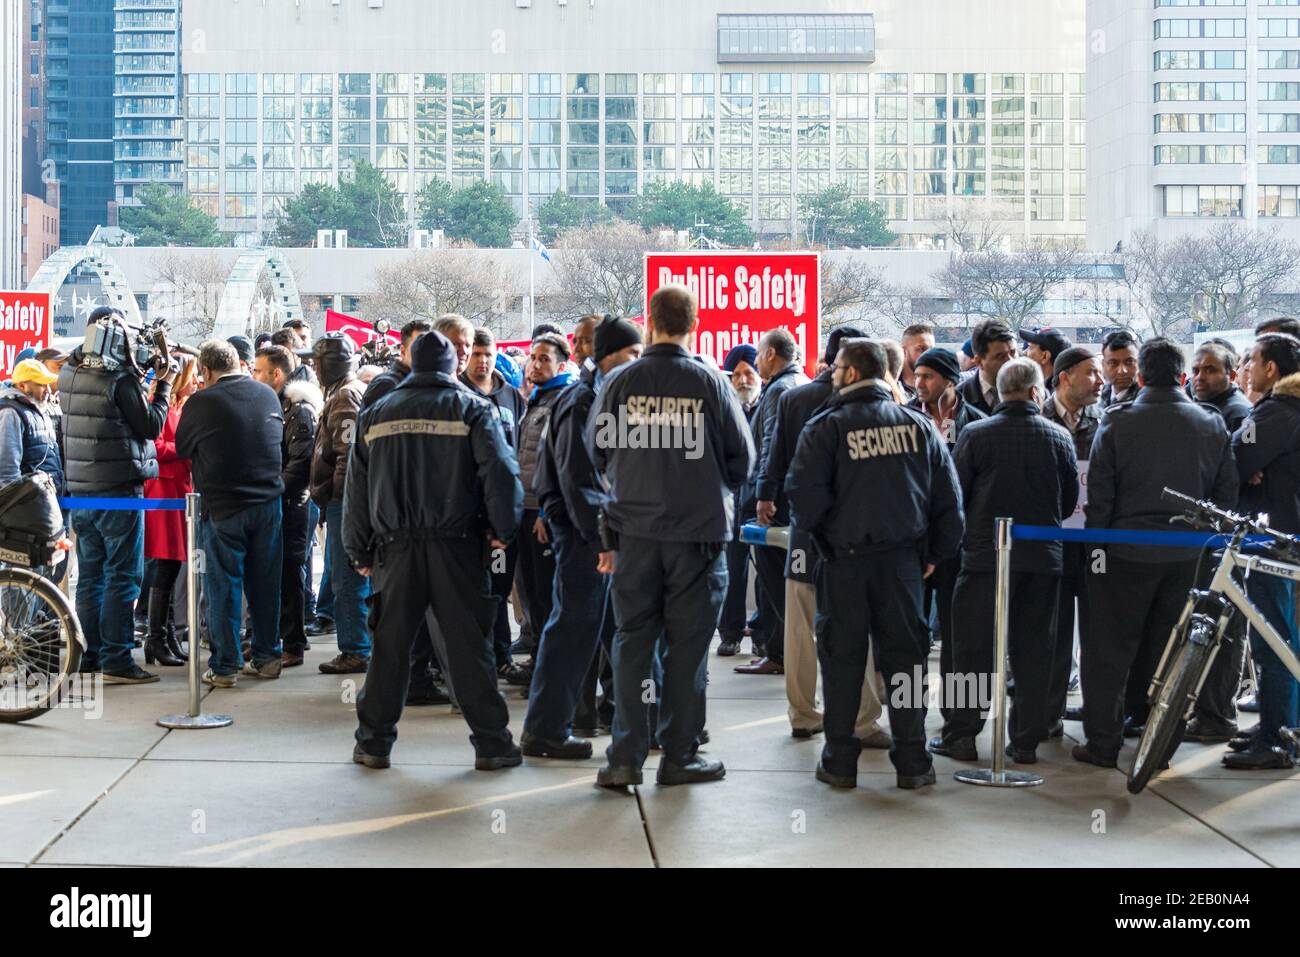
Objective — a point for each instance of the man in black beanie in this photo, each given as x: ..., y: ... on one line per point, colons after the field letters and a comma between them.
x: 937, y: 372
x: 432, y: 497
x: 570, y: 495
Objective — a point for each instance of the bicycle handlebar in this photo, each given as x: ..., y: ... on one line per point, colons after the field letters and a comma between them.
x: 1206, y: 515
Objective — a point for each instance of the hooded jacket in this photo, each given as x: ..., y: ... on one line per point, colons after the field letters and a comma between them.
x: 510, y: 404
x: 1268, y: 444
x: 302, y: 403
x: 334, y: 436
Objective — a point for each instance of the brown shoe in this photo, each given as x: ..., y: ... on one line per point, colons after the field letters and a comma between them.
x: 345, y: 664
x: 763, y: 666
x: 290, y: 659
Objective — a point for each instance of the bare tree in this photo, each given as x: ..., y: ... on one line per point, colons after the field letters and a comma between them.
x: 1005, y: 285
x: 432, y: 283
x: 187, y: 292
x: 970, y: 227
x: 854, y: 292
x: 599, y: 269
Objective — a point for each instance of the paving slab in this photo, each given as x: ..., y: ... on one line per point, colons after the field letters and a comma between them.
x: 198, y: 813
x: 1256, y: 814
x: 40, y: 796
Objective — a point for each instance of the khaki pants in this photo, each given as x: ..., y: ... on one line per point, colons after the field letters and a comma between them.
x: 801, y: 666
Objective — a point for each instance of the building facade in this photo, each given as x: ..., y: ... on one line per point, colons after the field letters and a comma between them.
x: 79, y: 111
x: 1195, y: 116
x: 40, y: 232
x: 147, y: 133
x: 933, y: 108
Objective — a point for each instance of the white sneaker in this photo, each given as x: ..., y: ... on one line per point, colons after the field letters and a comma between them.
x: 219, y: 681
x: 269, y: 669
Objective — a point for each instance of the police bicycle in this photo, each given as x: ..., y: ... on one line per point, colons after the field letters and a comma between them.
x: 41, y: 643
x: 1199, y: 635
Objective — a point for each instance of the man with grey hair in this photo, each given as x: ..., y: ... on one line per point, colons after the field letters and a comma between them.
x: 1019, y: 465
x: 459, y: 331
x: 779, y: 367
x: 240, y: 528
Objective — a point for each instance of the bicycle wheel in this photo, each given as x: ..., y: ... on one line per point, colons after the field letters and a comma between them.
x: 1178, y: 686
x: 40, y: 644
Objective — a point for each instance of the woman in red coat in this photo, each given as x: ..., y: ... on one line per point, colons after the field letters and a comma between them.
x: 164, y: 532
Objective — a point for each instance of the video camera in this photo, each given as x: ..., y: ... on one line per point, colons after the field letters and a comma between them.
x: 379, y: 351
x: 115, y: 344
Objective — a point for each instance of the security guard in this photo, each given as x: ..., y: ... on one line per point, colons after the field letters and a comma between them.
x: 874, y: 485
x: 432, y: 487
x: 570, y: 497
x: 670, y: 438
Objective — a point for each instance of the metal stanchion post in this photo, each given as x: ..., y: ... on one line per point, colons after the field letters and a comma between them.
x: 195, y: 718
x: 997, y: 776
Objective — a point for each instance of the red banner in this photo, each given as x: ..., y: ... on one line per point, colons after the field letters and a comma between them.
x: 25, y: 321
x: 745, y: 294
x: 359, y: 330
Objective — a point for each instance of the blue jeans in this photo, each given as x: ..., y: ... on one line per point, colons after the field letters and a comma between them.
x: 325, y: 594
x: 1277, y: 687
x: 569, y: 641
x: 350, y: 588
x: 110, y: 561
x: 308, y: 591
x: 243, y: 556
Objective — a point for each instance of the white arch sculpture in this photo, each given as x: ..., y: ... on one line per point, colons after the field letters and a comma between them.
x: 239, y: 297
x: 54, y: 273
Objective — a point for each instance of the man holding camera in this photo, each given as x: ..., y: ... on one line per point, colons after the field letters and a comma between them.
x: 108, y: 430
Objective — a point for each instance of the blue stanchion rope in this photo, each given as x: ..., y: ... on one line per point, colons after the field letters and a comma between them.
x: 1119, y: 536
x: 124, y: 504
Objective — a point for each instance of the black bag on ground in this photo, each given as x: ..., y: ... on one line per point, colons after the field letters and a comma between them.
x: 31, y: 524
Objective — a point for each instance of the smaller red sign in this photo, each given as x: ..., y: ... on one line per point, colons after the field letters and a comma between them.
x: 25, y: 321
x: 358, y: 330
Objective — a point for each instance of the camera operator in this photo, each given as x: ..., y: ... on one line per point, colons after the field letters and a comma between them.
x: 108, y: 433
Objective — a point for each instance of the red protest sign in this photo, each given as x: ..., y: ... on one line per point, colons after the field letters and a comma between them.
x: 25, y: 320
x: 358, y: 330
x: 745, y: 294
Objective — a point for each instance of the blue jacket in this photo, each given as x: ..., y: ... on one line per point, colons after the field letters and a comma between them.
x: 27, y: 439
x: 870, y: 475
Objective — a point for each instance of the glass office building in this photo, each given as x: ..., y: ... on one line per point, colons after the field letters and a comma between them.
x: 79, y: 111
x: 767, y: 105
x: 147, y: 131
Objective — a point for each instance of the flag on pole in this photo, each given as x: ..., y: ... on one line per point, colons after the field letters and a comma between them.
x: 540, y: 248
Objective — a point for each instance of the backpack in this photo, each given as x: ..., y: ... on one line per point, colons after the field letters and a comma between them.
x: 31, y: 524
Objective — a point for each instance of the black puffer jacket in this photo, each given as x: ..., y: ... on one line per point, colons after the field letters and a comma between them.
x: 567, y: 486
x: 302, y: 402
x: 430, y: 461
x: 108, y: 429
x: 795, y: 408
x: 534, y: 425
x: 384, y: 383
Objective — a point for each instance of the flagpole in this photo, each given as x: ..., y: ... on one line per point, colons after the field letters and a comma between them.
x: 532, y: 302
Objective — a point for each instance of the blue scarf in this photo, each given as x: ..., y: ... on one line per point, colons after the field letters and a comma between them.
x: 556, y: 382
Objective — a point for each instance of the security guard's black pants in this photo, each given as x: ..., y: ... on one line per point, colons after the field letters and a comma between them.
x: 595, y: 710
x: 1134, y: 607
x: 940, y: 584
x: 1073, y: 586
x: 731, y: 625
x: 448, y: 576
x: 862, y: 600
x: 1031, y: 636
x: 672, y: 590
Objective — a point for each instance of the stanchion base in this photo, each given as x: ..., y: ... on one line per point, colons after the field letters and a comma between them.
x: 183, y: 721
x: 1000, y: 779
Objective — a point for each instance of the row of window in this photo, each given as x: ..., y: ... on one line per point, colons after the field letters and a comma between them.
x: 1227, y: 201
x: 1224, y: 28
x: 1226, y: 91
x: 1225, y: 123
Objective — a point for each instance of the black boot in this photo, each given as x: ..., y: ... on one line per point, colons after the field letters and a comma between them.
x: 174, y: 643
x: 155, y: 646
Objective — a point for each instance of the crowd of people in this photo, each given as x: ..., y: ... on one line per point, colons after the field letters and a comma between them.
x: 596, y: 486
